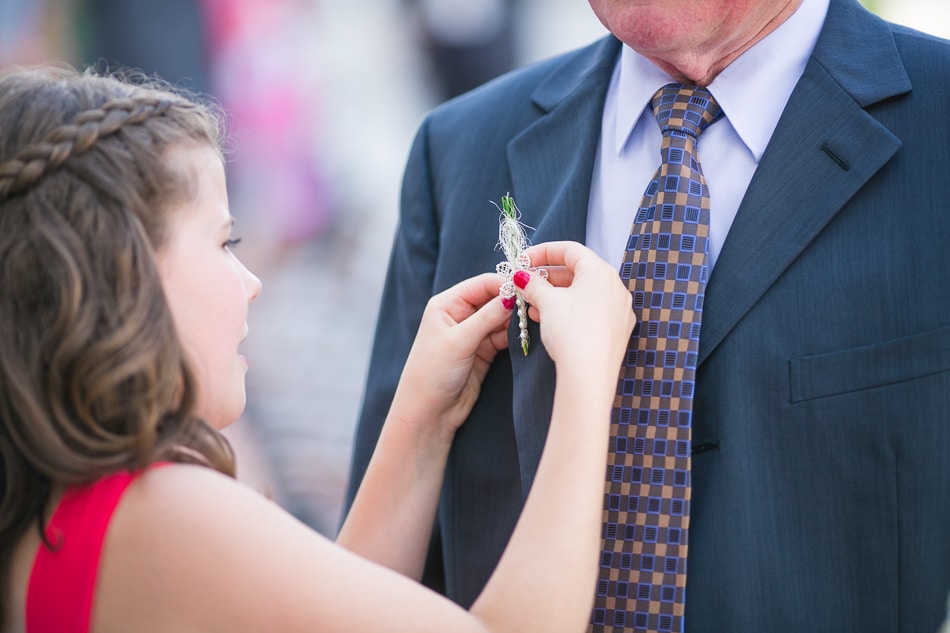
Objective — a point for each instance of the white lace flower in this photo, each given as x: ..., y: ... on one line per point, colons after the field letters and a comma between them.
x: 512, y: 241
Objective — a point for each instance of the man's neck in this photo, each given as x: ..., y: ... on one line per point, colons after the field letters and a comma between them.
x: 701, y: 67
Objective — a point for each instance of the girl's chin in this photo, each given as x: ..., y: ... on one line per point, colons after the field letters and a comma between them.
x: 223, y: 419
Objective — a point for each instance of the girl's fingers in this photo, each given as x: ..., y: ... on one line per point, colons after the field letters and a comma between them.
x: 559, y: 276
x: 566, y: 254
x: 464, y: 298
x: 474, y: 311
x: 487, y: 320
x: 536, y: 288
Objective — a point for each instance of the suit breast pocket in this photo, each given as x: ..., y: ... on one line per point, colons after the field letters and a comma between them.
x: 870, y: 366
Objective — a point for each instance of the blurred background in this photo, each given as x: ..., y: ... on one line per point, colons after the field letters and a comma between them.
x: 323, y: 99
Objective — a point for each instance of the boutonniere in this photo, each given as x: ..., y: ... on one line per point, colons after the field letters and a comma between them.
x: 513, y: 241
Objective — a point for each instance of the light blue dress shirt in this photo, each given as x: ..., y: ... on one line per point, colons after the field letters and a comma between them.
x: 752, y: 92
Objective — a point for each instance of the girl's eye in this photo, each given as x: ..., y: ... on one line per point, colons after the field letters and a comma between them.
x: 231, y: 243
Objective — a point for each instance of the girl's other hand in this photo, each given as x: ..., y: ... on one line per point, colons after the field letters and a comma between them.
x: 461, y: 331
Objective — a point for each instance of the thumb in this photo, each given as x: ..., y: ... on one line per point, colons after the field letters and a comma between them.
x: 534, y: 288
x: 489, y: 318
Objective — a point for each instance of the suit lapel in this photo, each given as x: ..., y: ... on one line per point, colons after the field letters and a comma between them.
x: 551, y: 163
x: 824, y: 149
x: 551, y: 160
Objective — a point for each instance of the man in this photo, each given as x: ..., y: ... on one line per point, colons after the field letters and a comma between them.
x: 821, y: 421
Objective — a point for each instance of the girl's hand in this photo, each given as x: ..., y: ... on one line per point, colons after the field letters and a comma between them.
x: 585, y: 310
x: 461, y: 330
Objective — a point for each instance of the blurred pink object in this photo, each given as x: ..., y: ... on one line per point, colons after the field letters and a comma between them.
x: 273, y: 111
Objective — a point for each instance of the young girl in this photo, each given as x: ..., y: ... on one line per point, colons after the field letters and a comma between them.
x: 122, y: 310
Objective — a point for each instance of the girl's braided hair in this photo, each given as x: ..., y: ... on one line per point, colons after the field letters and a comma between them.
x: 32, y: 162
x: 93, y: 378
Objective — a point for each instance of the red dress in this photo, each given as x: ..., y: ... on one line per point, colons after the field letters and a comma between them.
x: 63, y: 581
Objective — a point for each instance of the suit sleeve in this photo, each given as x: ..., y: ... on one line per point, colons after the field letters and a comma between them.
x: 408, y: 287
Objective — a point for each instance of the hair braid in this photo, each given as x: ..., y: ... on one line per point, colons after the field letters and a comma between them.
x: 33, y: 162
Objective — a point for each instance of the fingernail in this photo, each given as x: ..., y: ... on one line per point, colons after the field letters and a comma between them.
x: 521, y: 278
x: 508, y: 302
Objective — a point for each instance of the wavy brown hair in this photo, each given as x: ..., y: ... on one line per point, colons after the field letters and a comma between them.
x: 93, y: 378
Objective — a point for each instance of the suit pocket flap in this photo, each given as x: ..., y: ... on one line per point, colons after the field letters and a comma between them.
x: 870, y: 366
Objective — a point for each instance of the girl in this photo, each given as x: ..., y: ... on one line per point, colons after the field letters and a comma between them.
x: 122, y: 310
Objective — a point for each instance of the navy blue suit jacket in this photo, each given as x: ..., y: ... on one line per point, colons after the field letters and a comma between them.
x: 821, y: 448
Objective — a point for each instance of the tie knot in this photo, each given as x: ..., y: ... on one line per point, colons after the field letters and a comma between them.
x: 684, y: 109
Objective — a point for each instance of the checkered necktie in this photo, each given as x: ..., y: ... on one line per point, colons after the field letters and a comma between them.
x: 642, y: 583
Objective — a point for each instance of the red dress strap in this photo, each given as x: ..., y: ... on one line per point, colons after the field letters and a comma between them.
x: 63, y: 581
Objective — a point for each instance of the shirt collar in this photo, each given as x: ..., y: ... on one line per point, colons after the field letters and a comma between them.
x: 752, y: 90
